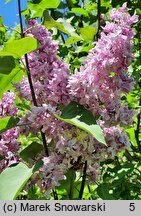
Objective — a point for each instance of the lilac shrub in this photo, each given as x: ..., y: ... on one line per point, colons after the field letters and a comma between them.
x: 98, y: 86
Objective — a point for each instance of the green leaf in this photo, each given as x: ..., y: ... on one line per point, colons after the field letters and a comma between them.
x: 61, y: 24
x: 71, y: 40
x: 83, y: 48
x: 49, y: 22
x: 31, y: 151
x: 1, y: 21
x: 7, y: 123
x: 78, y: 116
x: 88, y: 32
x: 6, y: 81
x: 17, y: 48
x: 39, y: 8
x: 131, y: 133
x: 37, y: 166
x: 7, y: 64
x: 12, y: 181
x: 68, y: 27
x: 124, y: 170
x: 103, y: 191
x: 80, y: 11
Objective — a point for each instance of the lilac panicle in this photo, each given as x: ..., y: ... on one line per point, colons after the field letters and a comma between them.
x: 9, y: 144
x: 103, y: 77
x: 49, y: 74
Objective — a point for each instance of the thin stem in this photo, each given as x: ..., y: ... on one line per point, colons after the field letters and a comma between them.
x: 61, y: 34
x: 33, y: 92
x: 83, y: 181
x: 26, y: 58
x: 89, y: 189
x: 55, y: 195
x: 117, y: 163
x: 80, y: 21
x: 20, y: 17
x: 137, y: 131
x: 30, y: 80
x: 69, y: 4
x: 62, y: 37
x: 128, y: 156
x: 98, y: 18
x: 13, y: 29
x: 72, y: 183
x: 28, y: 29
x: 44, y: 143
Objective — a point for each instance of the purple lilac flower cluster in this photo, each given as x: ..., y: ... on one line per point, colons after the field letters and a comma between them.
x: 102, y: 78
x: 50, y: 74
x: 9, y: 144
x: 99, y: 85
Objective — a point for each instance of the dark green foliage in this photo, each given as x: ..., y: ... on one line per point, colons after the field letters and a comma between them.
x: 31, y: 151
x: 7, y: 64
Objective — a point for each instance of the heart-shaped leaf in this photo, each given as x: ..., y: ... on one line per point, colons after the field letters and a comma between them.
x: 78, y: 116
